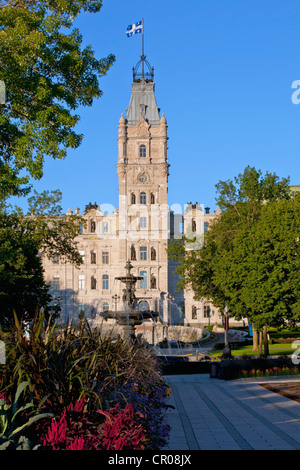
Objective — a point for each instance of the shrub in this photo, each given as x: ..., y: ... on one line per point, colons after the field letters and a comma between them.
x: 61, y: 369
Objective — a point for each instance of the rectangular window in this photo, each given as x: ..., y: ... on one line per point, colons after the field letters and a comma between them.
x: 206, y: 311
x: 81, y: 282
x: 143, y: 282
x: 105, y: 257
x: 55, y: 283
x: 105, y: 282
x: 143, y: 253
x: 205, y: 226
x: 143, y: 222
x: 82, y: 255
x: 105, y: 227
x: 81, y: 310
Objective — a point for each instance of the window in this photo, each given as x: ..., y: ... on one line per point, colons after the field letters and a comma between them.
x: 143, y: 222
x: 206, y: 311
x: 81, y: 282
x: 82, y: 255
x: 105, y: 227
x: 142, y: 151
x: 81, y: 310
x: 80, y: 228
x: 132, y: 198
x: 143, y: 282
x: 152, y: 198
x: 105, y: 307
x: 105, y: 282
x: 143, y: 253
x: 205, y: 226
x: 143, y: 306
x: 55, y: 259
x: 142, y: 197
x: 105, y: 257
x: 55, y: 283
x: 93, y: 283
x: 93, y: 257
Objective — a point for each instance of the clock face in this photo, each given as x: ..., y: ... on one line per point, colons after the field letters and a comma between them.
x: 142, y: 178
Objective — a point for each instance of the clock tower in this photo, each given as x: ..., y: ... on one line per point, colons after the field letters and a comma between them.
x: 143, y: 184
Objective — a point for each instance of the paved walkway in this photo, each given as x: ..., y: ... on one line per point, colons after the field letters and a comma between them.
x: 212, y: 414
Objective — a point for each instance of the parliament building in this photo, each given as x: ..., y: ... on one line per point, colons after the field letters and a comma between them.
x: 139, y: 230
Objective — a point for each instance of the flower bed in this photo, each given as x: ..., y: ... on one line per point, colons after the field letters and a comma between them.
x: 268, y: 372
x: 81, y: 391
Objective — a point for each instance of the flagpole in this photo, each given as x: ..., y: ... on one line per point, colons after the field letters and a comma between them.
x: 143, y: 57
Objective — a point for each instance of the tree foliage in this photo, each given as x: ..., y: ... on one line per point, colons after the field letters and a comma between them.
x: 249, y: 259
x: 48, y: 74
x: 24, y: 238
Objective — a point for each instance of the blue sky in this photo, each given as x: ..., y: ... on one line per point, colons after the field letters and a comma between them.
x: 223, y: 77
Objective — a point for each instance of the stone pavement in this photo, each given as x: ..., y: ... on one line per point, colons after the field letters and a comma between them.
x: 212, y: 414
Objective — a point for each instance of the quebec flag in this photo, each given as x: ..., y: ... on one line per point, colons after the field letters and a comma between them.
x: 134, y: 28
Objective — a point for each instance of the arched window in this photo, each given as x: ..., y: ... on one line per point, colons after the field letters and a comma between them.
x: 143, y: 306
x: 142, y: 197
x: 142, y: 151
x: 105, y: 307
x: 143, y: 282
x: 105, y: 282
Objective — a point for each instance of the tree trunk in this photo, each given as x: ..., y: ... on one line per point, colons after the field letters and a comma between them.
x: 255, y: 339
x: 266, y: 343
x: 260, y: 342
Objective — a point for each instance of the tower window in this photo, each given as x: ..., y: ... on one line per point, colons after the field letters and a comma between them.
x: 143, y: 282
x: 142, y: 151
x: 142, y: 197
x: 143, y: 253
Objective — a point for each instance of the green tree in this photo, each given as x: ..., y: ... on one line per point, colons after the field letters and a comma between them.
x: 23, y: 239
x: 48, y: 75
x: 223, y: 270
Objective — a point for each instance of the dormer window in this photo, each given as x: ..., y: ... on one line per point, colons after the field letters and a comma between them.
x: 142, y: 151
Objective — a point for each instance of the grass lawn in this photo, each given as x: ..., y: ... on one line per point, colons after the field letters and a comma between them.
x: 274, y: 349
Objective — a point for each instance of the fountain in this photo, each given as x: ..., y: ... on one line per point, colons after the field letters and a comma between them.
x: 130, y: 316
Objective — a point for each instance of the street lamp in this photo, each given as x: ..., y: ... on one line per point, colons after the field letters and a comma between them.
x: 226, y: 350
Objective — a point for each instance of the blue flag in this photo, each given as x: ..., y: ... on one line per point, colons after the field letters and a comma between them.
x: 134, y: 28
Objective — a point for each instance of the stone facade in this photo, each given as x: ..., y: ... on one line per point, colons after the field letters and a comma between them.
x: 139, y: 230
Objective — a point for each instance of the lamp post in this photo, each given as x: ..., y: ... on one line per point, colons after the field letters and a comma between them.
x: 226, y: 350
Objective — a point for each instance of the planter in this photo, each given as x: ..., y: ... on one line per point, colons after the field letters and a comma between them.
x: 230, y: 368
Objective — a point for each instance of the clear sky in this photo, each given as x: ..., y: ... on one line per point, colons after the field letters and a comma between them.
x: 223, y: 77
